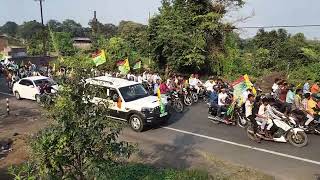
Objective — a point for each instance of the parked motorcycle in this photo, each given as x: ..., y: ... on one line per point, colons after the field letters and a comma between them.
x: 283, y: 132
x: 175, y: 102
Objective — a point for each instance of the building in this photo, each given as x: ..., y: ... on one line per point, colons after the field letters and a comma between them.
x: 15, y: 51
x: 82, y: 43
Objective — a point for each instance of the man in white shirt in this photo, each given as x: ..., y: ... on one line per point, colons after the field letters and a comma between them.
x: 140, y: 79
x: 275, y: 85
x: 222, y: 102
x: 209, y: 85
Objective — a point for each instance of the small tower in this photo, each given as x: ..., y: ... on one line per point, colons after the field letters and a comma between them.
x: 94, y: 23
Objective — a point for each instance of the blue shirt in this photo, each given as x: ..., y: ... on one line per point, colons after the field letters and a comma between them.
x: 214, y: 97
x: 290, y: 97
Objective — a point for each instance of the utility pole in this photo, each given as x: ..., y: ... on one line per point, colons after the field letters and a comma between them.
x: 43, y: 29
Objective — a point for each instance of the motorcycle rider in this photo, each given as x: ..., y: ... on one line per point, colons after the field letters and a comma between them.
x: 309, y: 105
x: 222, y: 102
x: 251, y: 109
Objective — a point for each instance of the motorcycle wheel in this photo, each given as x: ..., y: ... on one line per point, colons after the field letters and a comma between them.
x: 299, y: 140
x: 242, y: 121
x: 187, y: 100
x: 178, y: 106
x: 317, y: 130
x: 250, y: 133
x: 195, y: 97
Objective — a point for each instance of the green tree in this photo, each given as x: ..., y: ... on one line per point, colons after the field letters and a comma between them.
x: 10, y: 28
x: 74, y: 28
x: 188, y: 35
x: 29, y: 30
x: 62, y: 42
x: 55, y: 26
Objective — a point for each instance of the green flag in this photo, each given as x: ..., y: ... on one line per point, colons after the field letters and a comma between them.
x: 124, y: 68
x: 99, y: 58
x: 137, y: 65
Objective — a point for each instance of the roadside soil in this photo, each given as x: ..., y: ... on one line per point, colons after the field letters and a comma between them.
x: 21, y: 124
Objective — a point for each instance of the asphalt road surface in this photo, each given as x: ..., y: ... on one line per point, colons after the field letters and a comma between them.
x: 231, y: 143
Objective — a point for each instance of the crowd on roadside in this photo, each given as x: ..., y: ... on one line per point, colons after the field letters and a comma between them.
x: 14, y: 72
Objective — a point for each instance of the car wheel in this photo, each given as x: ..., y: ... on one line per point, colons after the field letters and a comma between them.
x: 136, y: 123
x: 17, y: 95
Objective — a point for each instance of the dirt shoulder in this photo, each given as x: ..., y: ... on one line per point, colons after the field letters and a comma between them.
x: 162, y: 155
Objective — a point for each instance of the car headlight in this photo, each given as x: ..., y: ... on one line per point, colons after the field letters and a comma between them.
x: 147, y: 110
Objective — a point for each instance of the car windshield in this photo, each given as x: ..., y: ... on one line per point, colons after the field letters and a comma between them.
x: 134, y: 92
x: 45, y: 81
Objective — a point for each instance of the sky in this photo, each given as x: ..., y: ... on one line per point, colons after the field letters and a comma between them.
x: 261, y: 12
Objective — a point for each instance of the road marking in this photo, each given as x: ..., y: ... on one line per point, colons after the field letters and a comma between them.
x: 6, y: 94
x: 244, y: 146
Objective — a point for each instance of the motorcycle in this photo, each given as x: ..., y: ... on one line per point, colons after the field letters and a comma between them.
x: 203, y: 94
x: 312, y: 128
x: 186, y: 97
x: 175, y: 102
x: 283, y: 132
x: 236, y: 116
x: 193, y: 92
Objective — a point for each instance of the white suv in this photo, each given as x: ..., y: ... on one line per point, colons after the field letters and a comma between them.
x: 129, y: 101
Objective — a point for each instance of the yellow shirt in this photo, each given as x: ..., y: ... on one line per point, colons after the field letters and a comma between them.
x: 311, y: 104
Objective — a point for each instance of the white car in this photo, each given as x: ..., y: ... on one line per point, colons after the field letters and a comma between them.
x: 28, y: 88
x: 129, y: 101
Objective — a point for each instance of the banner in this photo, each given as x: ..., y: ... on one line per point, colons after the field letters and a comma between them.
x: 99, y: 58
x: 162, y: 108
x: 240, y: 86
x: 124, y: 68
x: 137, y: 65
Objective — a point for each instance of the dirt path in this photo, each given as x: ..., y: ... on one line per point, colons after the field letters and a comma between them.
x: 24, y: 120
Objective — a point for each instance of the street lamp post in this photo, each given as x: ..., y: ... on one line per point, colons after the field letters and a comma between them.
x: 43, y: 28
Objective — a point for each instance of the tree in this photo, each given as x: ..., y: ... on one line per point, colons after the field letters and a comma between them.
x: 135, y: 35
x: 74, y: 28
x: 62, y: 43
x: 55, y: 25
x: 10, y: 28
x: 188, y: 35
x: 29, y: 29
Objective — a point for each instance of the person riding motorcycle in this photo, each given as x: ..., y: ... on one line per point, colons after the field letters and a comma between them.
x: 251, y: 111
x: 266, y: 114
x: 222, y: 103
x: 309, y: 106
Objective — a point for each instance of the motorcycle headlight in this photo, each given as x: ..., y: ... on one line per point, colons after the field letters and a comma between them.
x: 147, y: 110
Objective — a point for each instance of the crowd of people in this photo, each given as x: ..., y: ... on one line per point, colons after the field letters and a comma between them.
x: 283, y: 100
x: 13, y: 72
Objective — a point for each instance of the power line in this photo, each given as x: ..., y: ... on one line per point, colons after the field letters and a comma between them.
x: 278, y: 26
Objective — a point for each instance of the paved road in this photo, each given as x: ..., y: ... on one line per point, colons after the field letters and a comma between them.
x: 192, y: 129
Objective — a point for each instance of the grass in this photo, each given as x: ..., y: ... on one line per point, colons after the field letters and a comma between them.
x: 144, y: 172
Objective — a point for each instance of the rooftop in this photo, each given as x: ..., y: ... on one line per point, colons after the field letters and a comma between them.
x: 34, y: 78
x: 114, y: 82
